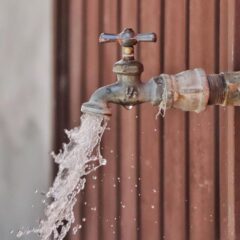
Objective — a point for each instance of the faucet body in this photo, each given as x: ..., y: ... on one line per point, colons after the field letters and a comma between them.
x: 191, y: 90
x: 128, y: 90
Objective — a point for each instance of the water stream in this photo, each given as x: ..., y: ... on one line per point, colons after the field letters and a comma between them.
x: 78, y: 158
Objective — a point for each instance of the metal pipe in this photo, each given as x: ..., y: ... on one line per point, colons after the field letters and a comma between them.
x: 224, y: 89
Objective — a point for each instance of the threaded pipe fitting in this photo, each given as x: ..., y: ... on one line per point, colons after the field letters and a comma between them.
x: 217, y: 89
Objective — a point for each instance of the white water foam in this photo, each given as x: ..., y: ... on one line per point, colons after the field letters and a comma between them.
x: 77, y: 159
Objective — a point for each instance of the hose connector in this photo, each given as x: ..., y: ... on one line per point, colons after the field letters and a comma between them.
x: 188, y: 90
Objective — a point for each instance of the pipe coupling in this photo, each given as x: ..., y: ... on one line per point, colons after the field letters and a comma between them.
x: 188, y: 90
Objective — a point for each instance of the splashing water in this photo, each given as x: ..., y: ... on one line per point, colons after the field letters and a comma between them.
x: 78, y: 158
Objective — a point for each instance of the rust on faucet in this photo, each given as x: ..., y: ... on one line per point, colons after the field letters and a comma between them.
x: 190, y: 90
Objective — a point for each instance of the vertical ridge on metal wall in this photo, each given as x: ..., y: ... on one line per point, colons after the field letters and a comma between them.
x: 119, y: 136
x: 91, y: 209
x: 236, y: 67
x: 224, y: 202
x: 101, y: 173
x: 109, y: 179
x: 202, y: 152
x: 217, y: 126
x: 61, y: 73
x: 149, y: 132
x: 76, y: 81
x: 138, y: 135
x: 128, y: 160
x: 161, y: 121
x: 186, y: 127
x: 175, y: 133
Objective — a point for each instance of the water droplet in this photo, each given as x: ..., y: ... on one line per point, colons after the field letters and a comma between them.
x: 103, y: 161
x: 12, y: 231
x: 93, y: 208
x: 128, y: 107
x: 94, y: 177
x: 19, y: 234
x: 75, y: 229
x: 154, y: 190
x: 152, y: 206
x: 84, y: 219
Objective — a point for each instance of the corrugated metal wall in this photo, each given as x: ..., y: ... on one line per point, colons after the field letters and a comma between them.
x: 174, y: 178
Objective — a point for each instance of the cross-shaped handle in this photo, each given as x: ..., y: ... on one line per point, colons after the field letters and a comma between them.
x: 127, y: 38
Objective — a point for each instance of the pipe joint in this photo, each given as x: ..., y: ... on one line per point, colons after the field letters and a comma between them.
x: 188, y: 90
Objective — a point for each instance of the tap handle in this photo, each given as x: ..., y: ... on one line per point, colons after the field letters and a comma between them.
x: 127, y: 38
x: 146, y: 37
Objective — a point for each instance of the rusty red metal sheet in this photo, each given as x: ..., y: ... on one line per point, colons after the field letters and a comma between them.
x: 174, y: 178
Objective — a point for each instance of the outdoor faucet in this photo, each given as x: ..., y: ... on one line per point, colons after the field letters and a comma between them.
x: 191, y: 90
